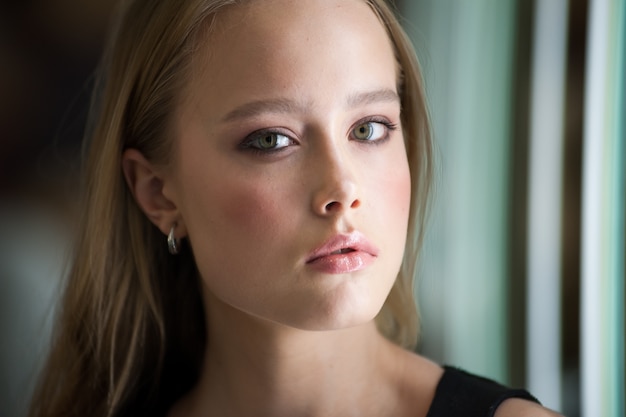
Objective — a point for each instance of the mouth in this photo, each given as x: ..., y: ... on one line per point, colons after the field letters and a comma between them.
x: 342, y: 250
x: 343, y: 253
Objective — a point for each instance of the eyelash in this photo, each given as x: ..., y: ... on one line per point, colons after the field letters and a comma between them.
x: 389, y: 127
x: 247, y: 144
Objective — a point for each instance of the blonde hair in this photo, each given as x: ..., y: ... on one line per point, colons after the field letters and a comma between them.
x: 130, y: 338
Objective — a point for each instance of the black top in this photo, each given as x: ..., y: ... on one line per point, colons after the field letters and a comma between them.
x: 460, y: 394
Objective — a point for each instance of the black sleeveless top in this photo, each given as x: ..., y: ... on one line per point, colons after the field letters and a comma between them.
x: 460, y: 394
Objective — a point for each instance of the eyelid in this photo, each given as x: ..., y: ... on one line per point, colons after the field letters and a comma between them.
x: 376, y: 119
x: 386, y: 122
x: 246, y: 143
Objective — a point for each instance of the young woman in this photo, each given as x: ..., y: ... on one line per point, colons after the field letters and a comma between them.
x: 256, y: 187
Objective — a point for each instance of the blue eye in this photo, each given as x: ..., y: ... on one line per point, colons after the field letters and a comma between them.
x: 267, y: 141
x: 372, y: 131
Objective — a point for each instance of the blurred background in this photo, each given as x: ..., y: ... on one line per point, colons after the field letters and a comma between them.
x: 522, y: 274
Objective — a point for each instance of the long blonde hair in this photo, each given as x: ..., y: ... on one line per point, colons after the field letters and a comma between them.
x: 131, y: 334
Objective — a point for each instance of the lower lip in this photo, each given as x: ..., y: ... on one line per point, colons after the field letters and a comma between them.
x: 342, y: 263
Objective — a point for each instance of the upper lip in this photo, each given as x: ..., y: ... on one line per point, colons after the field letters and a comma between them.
x: 355, y: 241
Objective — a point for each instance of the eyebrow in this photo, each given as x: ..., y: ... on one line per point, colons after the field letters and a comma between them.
x: 255, y: 108
x: 384, y: 95
x: 281, y: 105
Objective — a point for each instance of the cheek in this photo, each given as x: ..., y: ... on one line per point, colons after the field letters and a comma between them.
x: 237, y: 212
x: 400, y: 203
x: 257, y: 210
x: 400, y: 192
x: 222, y: 200
x: 236, y: 221
x: 394, y: 189
x: 232, y: 229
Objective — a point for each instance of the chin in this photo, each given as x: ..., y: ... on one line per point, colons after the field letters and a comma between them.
x: 345, y: 306
x: 336, y: 314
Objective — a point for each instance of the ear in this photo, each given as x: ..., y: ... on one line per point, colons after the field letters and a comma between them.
x: 146, y: 186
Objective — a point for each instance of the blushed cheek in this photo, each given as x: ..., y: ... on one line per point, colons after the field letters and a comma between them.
x: 398, y: 192
x: 398, y: 212
x: 255, y: 210
x: 247, y: 229
x: 404, y: 190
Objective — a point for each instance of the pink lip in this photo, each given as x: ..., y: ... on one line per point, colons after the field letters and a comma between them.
x: 359, y: 254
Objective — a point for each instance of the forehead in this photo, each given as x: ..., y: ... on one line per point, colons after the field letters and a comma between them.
x: 264, y: 17
x: 284, y: 15
x: 292, y: 46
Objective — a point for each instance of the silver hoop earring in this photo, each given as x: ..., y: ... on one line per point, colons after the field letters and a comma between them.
x: 172, y: 242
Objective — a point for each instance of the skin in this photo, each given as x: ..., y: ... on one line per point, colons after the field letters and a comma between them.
x: 287, y: 339
x: 253, y: 219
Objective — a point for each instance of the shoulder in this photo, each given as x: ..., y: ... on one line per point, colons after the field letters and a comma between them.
x: 515, y: 407
x: 462, y: 393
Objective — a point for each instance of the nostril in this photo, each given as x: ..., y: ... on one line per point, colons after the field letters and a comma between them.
x: 332, y: 205
x: 336, y: 205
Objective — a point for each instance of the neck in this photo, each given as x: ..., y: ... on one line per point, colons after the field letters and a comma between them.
x: 254, y: 367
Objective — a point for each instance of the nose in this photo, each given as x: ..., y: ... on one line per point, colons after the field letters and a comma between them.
x: 336, y: 189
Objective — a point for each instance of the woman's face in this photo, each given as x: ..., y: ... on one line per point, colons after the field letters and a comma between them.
x: 290, y: 171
